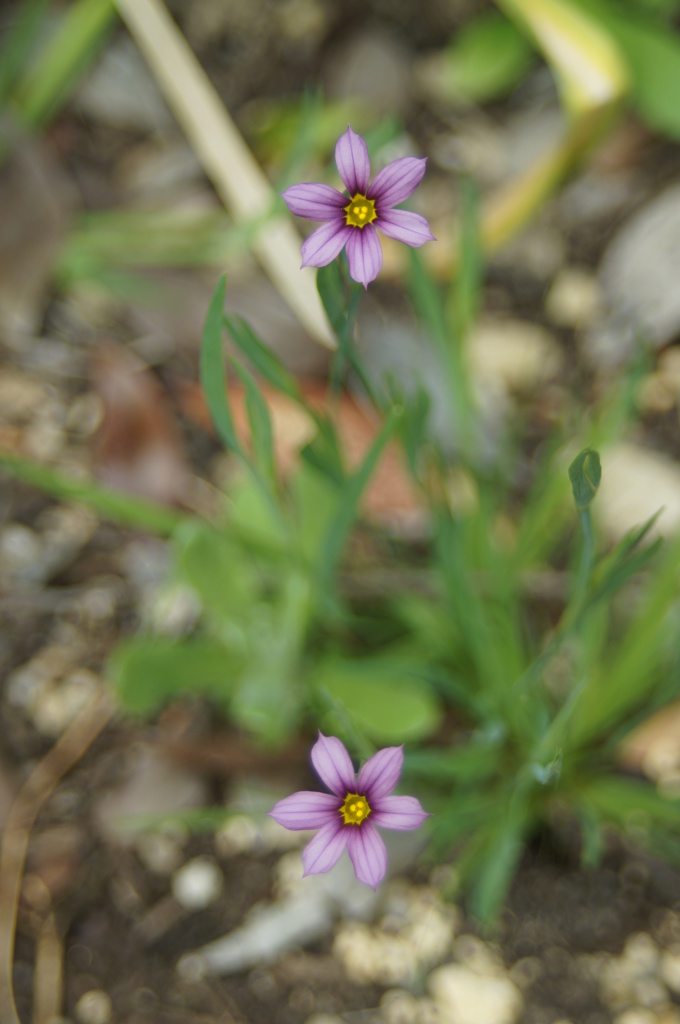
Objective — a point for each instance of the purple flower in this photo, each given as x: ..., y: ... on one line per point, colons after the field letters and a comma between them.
x: 351, y: 220
x: 342, y: 816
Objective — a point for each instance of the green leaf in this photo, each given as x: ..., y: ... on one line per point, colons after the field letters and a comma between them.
x: 496, y: 865
x: 149, y: 672
x: 19, y: 38
x: 585, y: 474
x: 323, y: 451
x: 217, y: 568
x: 629, y: 801
x: 65, y: 58
x: 260, y: 425
x: 382, y: 697
x: 653, y: 56
x: 262, y: 358
x: 472, y: 763
x: 348, y: 509
x: 212, y: 370
x: 121, y: 508
x: 316, y: 499
x: 485, y: 60
x: 331, y: 289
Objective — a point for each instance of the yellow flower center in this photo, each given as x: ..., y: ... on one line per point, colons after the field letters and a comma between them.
x: 355, y: 809
x: 360, y: 211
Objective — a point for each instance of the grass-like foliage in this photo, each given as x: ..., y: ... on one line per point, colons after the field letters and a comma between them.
x: 511, y: 706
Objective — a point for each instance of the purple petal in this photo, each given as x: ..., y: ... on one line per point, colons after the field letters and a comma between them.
x: 324, y: 244
x: 410, y: 228
x: 333, y: 765
x: 380, y: 774
x: 325, y: 848
x: 364, y: 253
x: 351, y: 156
x: 314, y: 201
x: 305, y: 810
x: 402, y: 813
x: 397, y: 181
x: 368, y: 854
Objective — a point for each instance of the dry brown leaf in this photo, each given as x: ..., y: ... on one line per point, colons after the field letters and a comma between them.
x: 137, y: 448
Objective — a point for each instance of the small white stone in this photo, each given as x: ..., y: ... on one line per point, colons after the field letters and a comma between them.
x: 670, y: 969
x: 61, y: 702
x: 642, y: 953
x: 159, y: 853
x: 94, y: 1008
x: 399, y: 1006
x: 198, y: 884
x: 20, y: 546
x: 575, y: 298
x: 513, y: 355
x: 465, y: 997
x: 238, y: 834
x: 636, y: 1015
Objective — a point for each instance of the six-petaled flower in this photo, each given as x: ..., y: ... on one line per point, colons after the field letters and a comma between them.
x: 346, y: 817
x: 350, y: 220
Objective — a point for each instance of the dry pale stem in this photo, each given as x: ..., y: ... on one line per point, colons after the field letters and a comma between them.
x: 65, y: 753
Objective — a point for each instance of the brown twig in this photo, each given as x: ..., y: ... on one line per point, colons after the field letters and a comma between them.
x: 65, y: 753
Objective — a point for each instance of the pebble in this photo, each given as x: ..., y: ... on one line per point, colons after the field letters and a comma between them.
x: 465, y: 997
x: 414, y: 935
x: 85, y: 414
x: 575, y: 299
x: 175, y: 610
x: 638, y: 273
x: 238, y: 834
x: 20, y: 547
x: 197, y: 884
x: 94, y: 1008
x: 513, y: 355
x: 670, y: 969
x: 159, y: 852
x: 637, y: 483
x: 60, y: 703
x: 20, y: 396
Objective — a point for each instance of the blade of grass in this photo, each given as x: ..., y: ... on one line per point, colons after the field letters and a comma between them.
x: 18, y: 42
x: 347, y: 512
x: 212, y: 371
x: 228, y: 162
x: 121, y: 508
x: 64, y: 59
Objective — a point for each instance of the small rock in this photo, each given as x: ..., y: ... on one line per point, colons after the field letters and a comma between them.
x: 465, y: 997
x: 198, y: 884
x: 20, y: 547
x: 94, y: 1008
x: 575, y: 299
x: 238, y: 834
x: 637, y: 483
x: 639, y: 272
x: 637, y: 1015
x: 159, y: 852
x: 399, y: 1006
x: 85, y: 414
x: 61, y: 702
x: 176, y: 610
x: 512, y: 355
x: 670, y: 969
